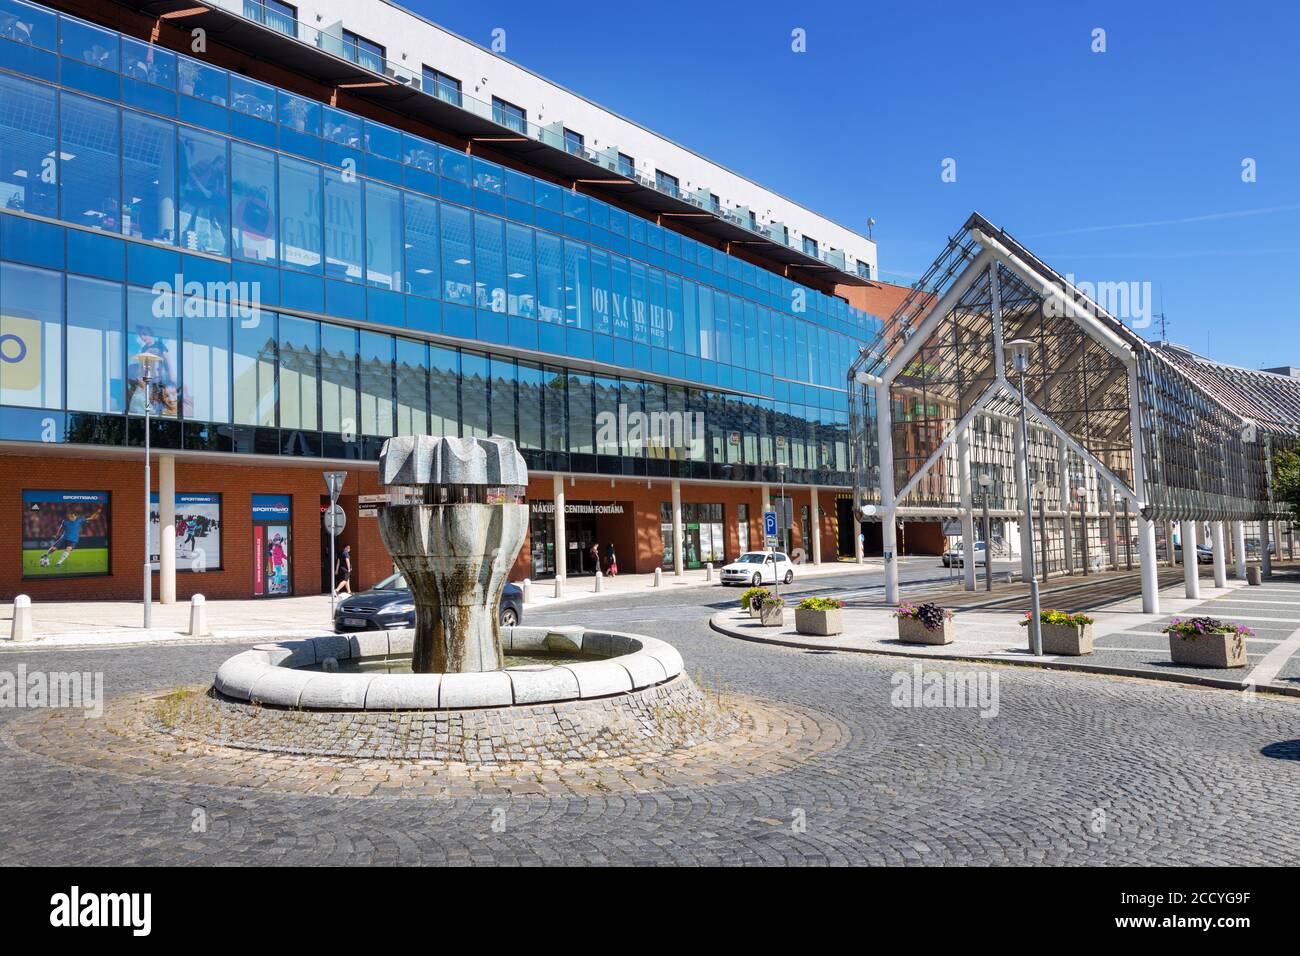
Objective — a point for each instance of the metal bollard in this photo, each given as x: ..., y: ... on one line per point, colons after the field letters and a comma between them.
x: 708, y: 572
x: 22, y: 626
x: 658, y: 577
x: 599, y: 577
x: 559, y: 586
x: 524, y: 585
x: 198, y: 616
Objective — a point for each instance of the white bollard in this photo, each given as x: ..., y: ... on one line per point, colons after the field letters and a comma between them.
x: 22, y: 629
x: 599, y: 578
x: 708, y: 572
x: 198, y: 616
x: 658, y: 576
x: 524, y: 585
x: 559, y: 586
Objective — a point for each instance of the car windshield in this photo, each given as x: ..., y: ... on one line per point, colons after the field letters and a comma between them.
x: 754, y: 557
x: 394, y: 582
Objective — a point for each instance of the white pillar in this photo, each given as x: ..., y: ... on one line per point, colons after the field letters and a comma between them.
x: 1265, y: 559
x: 967, y: 516
x: 766, y: 493
x: 1239, y: 549
x: 815, y: 525
x: 1220, y: 555
x: 561, y: 536
x: 1067, y: 503
x: 1025, y: 493
x: 678, y: 558
x: 888, y: 537
x: 166, y: 529
x: 1146, y: 535
x: 1191, y: 571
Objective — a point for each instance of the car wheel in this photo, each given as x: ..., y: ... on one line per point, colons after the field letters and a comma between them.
x: 789, y: 576
x: 756, y: 580
x: 509, y: 617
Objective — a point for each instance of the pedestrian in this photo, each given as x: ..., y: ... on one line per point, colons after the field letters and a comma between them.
x: 594, y: 553
x: 613, y: 560
x: 343, y: 571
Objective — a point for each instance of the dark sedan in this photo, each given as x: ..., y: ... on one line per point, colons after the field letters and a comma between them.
x: 389, y: 604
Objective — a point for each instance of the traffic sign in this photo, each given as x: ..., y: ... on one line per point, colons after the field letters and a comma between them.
x: 769, y: 524
x: 769, y: 542
x: 334, y: 519
x: 334, y: 482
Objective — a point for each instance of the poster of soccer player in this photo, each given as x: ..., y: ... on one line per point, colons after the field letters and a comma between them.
x: 198, y: 531
x: 65, y: 533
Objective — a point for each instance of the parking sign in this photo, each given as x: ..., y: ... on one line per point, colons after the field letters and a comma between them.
x: 769, y: 524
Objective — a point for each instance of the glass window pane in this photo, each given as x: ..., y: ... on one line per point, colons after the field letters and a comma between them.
x: 474, y: 394
x: 412, y: 388
x: 205, y: 193
x: 530, y: 406
x: 577, y: 286
x: 581, y: 436
x: 148, y: 178
x: 29, y: 174
x: 88, y: 148
x: 553, y: 397
x: 520, y: 270
x: 550, y: 278
x: 383, y: 237
x: 489, y: 263
x: 604, y: 403
x: 422, y: 266
x: 342, y: 227
x: 88, y: 44
x: 205, y: 364
x: 457, y: 256
x: 253, y: 358
x: 152, y: 334
x: 252, y: 194
x: 31, y: 337
x: 376, y: 384
x: 298, y: 373
x: 504, y: 420
x: 300, y: 234
x: 338, y: 368
x: 444, y: 391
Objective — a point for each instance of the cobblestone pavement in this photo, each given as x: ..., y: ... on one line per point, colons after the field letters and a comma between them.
x: 1074, y: 769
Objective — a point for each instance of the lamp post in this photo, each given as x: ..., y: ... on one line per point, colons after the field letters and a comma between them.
x: 1081, y: 492
x: 986, y: 483
x: 780, y: 527
x: 147, y: 362
x: 1019, y: 349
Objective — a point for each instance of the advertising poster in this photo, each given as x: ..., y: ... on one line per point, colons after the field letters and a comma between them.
x: 65, y: 533
x: 271, y: 545
x: 198, y: 532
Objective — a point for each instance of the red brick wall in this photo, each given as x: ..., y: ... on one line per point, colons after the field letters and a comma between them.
x: 235, y: 483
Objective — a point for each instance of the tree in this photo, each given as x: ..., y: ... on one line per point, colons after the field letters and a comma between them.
x: 1286, y: 479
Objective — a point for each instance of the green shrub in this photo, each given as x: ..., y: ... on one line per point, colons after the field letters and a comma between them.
x: 820, y: 604
x: 1051, y: 616
x: 747, y: 597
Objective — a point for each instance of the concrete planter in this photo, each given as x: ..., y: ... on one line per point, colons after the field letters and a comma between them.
x: 912, y: 631
x: 1062, y: 640
x: 772, y: 615
x: 819, y: 623
x: 1208, y: 650
x: 1254, y: 574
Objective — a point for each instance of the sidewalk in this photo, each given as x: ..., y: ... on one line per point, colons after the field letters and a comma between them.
x: 1126, y: 641
x: 69, y: 624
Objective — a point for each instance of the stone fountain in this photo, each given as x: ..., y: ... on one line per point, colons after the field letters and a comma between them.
x: 454, y: 525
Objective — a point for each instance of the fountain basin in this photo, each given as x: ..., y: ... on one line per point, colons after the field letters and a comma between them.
x: 618, y: 663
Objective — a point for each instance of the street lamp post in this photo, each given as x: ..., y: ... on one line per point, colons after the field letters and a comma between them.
x: 780, y: 527
x: 1019, y: 349
x: 1081, y: 492
x: 147, y: 362
x: 986, y: 483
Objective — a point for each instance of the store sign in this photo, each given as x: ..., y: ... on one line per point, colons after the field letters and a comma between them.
x: 578, y: 507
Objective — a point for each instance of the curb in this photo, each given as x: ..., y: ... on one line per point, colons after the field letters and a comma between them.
x: 1216, y: 683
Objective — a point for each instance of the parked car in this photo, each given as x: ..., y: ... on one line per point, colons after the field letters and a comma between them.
x: 956, y: 557
x: 759, y: 567
x: 1204, y: 553
x: 389, y: 604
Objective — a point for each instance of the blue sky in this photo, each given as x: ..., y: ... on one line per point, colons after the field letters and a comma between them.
x: 1122, y: 166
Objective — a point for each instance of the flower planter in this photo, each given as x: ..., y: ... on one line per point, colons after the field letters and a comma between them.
x: 1254, y: 574
x: 912, y: 631
x: 1063, y: 640
x: 820, y: 623
x: 772, y: 615
x: 1208, y: 650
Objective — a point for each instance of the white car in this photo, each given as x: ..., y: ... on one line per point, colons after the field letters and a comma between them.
x: 759, y: 567
x: 956, y: 557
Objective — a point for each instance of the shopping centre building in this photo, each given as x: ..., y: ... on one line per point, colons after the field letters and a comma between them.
x: 325, y: 224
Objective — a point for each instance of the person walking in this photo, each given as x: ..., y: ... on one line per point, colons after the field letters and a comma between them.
x: 594, y: 553
x: 343, y: 571
x: 612, y: 571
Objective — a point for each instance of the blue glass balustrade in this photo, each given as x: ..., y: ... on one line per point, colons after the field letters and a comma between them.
x: 124, y: 165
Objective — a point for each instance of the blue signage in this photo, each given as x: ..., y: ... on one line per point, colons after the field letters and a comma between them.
x: 270, y: 507
x: 769, y: 524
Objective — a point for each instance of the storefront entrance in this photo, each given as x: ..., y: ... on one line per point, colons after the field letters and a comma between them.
x: 586, y: 523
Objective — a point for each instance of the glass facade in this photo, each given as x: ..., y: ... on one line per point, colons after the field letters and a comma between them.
x: 315, y: 281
